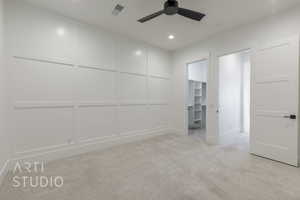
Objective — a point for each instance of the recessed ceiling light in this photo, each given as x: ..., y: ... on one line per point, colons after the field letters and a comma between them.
x: 138, y: 52
x: 171, y: 37
x: 60, y: 31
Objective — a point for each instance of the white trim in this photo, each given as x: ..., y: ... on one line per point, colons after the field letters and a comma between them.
x: 274, y: 46
x: 97, y: 68
x: 133, y: 103
x: 89, y: 146
x: 42, y: 104
x: 158, y: 103
x: 44, y: 60
x: 96, y: 104
x: 134, y: 73
x: 159, y: 77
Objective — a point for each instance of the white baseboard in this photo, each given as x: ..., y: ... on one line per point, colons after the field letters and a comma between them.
x: 81, y: 148
x: 4, y: 170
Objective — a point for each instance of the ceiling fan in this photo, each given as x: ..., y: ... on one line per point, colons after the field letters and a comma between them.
x: 171, y: 8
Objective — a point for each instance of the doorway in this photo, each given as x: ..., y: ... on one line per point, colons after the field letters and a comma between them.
x: 234, y: 97
x: 197, y: 98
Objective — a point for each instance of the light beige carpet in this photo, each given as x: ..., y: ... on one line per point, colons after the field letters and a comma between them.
x: 169, y: 167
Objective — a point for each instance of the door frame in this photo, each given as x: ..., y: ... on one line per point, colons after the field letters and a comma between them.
x: 216, y: 58
x: 186, y: 88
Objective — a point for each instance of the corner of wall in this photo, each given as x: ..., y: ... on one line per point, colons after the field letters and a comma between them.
x: 5, y: 146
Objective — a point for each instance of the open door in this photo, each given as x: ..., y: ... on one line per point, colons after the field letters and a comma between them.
x: 196, y: 97
x: 274, y: 107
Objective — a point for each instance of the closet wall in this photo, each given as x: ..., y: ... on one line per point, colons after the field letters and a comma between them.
x: 76, y: 86
x: 198, y: 71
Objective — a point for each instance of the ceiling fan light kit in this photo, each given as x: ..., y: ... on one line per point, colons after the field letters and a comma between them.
x: 171, y: 7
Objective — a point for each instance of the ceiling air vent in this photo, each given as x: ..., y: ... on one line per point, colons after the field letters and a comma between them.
x: 118, y: 8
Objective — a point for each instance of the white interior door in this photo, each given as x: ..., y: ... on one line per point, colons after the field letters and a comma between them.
x: 274, y: 107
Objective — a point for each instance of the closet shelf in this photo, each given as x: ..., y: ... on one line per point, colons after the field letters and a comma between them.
x: 197, y: 96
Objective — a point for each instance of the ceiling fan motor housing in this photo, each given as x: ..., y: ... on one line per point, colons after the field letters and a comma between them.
x: 171, y: 7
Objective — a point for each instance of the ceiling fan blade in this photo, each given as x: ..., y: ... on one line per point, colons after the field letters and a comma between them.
x: 144, y: 19
x: 191, y: 14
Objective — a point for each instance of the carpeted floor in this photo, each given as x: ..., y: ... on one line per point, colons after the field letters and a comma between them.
x: 169, y: 167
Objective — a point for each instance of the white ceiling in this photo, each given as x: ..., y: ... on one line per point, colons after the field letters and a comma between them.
x: 221, y: 15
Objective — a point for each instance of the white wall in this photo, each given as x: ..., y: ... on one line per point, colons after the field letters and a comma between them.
x: 246, y: 82
x: 4, y: 141
x: 75, y: 85
x: 273, y: 28
x: 198, y: 71
x: 230, y: 93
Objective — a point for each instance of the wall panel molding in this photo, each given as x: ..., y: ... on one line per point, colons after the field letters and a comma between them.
x: 97, y: 68
x: 133, y: 73
x: 84, y: 104
x: 41, y: 104
x: 44, y: 60
x: 159, y: 103
x: 160, y: 77
x: 84, y: 88
x: 133, y: 103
